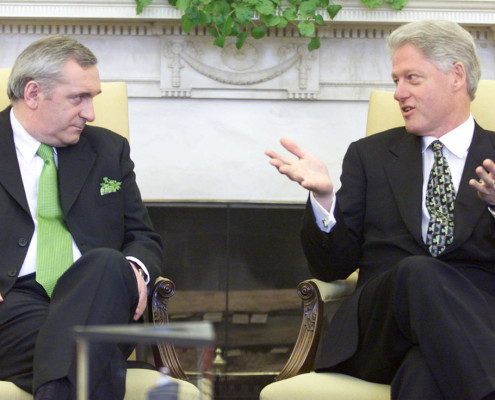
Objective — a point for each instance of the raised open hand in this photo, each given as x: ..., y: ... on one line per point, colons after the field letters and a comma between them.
x: 486, y: 185
x: 307, y: 170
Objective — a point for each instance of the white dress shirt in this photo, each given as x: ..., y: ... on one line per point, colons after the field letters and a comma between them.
x: 31, y: 166
x: 456, y: 146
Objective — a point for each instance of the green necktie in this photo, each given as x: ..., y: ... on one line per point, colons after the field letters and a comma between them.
x: 54, y: 251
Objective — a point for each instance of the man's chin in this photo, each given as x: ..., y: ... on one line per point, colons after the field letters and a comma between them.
x: 413, y: 129
x: 70, y: 140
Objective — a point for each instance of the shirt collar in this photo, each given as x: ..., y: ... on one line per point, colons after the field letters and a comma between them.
x: 457, y: 141
x: 26, y: 144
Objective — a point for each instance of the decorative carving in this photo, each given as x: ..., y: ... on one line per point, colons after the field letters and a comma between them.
x: 172, y: 51
x: 304, y: 58
x: 240, y: 60
x: 304, y: 352
x: 232, y: 69
x: 164, y: 353
x: 239, y: 78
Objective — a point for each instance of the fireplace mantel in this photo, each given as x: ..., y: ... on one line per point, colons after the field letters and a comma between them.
x: 201, y: 117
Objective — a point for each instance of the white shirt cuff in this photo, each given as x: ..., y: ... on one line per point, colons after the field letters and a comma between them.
x: 141, y: 265
x: 324, y: 219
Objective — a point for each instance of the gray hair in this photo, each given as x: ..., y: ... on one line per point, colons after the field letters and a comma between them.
x: 444, y: 43
x: 43, y: 62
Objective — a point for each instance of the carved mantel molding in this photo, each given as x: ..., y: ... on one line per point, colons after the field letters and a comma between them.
x: 159, y: 60
x: 462, y: 11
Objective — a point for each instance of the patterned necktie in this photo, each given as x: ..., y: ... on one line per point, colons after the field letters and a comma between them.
x: 54, y: 251
x: 440, y: 199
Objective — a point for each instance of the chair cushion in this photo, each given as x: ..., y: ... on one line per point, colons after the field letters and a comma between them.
x: 328, y: 386
x: 10, y: 391
x: 138, y: 382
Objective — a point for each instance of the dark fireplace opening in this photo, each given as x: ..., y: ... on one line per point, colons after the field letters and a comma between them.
x: 237, y: 265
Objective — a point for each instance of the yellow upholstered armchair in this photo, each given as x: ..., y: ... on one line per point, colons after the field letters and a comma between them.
x: 112, y: 113
x: 297, y: 380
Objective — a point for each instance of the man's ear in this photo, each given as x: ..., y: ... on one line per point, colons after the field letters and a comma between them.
x: 32, y: 92
x: 459, y: 77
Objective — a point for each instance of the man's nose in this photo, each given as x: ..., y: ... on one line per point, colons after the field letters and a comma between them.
x: 401, y: 92
x: 88, y: 110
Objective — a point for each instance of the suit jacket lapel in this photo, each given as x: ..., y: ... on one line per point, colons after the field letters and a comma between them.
x: 468, y: 206
x: 406, y: 182
x: 74, y: 164
x: 10, y: 173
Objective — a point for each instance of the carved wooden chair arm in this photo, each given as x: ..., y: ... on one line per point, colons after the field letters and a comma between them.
x: 314, y: 294
x: 164, y: 354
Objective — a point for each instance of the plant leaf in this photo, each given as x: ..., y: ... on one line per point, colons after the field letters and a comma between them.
x: 283, y: 23
x: 306, y: 28
x: 290, y: 13
x: 220, y: 6
x: 187, y: 24
x: 235, y: 29
x: 270, y: 20
x: 219, y: 41
x: 182, y: 4
x: 258, y: 32
x: 228, y: 26
x: 307, y: 9
x: 372, y: 3
x: 218, y: 19
x: 204, y: 18
x: 314, y: 43
x: 193, y: 15
x: 243, y: 14
x: 333, y: 10
x: 319, y: 19
x: 140, y: 4
x: 397, y: 4
x: 265, y: 7
x: 241, y: 38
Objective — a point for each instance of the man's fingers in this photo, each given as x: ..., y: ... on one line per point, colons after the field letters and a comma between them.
x: 489, y: 165
x: 486, y: 178
x: 292, y: 147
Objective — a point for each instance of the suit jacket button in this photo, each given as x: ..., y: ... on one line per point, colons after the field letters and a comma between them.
x: 22, y: 242
x: 12, y: 272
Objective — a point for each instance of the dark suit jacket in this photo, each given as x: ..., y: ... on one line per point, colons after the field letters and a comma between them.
x: 117, y: 220
x: 378, y: 213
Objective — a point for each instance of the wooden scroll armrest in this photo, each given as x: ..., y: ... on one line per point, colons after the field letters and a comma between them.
x: 163, y: 353
x: 314, y: 294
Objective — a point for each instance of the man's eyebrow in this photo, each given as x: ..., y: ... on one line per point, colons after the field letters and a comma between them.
x: 88, y: 94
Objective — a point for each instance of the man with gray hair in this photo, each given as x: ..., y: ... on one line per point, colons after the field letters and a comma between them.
x: 76, y: 243
x: 415, y: 213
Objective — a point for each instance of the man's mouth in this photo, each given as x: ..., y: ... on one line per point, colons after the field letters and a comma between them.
x: 406, y: 109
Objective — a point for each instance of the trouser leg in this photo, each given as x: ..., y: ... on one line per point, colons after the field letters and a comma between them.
x: 414, y: 380
x: 22, y: 313
x: 99, y: 289
x: 427, y: 303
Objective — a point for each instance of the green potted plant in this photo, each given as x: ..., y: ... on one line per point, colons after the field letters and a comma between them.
x: 241, y: 18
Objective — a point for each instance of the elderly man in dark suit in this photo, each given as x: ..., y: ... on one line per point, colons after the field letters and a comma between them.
x: 414, y: 214
x: 76, y: 243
